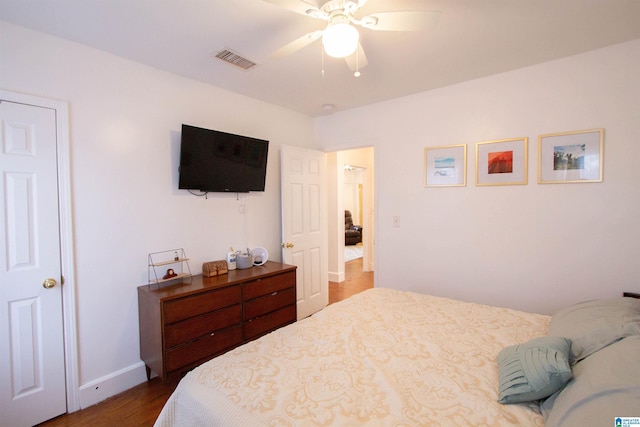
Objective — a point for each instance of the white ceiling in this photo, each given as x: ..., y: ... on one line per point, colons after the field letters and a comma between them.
x: 474, y: 38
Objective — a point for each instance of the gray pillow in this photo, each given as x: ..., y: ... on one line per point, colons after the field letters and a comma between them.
x: 593, y: 325
x: 605, y: 385
x: 533, y: 370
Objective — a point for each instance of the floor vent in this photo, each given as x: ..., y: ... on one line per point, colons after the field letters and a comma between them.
x: 235, y: 59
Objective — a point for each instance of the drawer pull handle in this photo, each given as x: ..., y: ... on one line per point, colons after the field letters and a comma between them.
x: 213, y: 333
x: 274, y: 294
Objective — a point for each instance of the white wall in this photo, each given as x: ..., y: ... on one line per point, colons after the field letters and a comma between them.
x: 125, y: 121
x: 534, y: 247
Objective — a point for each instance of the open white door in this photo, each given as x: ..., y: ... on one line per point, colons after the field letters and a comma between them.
x: 304, y: 225
x: 32, y: 360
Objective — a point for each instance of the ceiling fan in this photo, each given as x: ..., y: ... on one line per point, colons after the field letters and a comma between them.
x: 340, y: 39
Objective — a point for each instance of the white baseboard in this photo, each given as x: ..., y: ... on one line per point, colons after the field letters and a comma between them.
x: 112, y: 384
x: 337, y: 277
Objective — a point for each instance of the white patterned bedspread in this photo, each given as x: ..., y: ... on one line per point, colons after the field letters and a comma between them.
x: 380, y: 358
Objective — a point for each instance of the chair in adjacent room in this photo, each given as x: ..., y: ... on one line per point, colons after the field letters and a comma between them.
x: 352, y: 233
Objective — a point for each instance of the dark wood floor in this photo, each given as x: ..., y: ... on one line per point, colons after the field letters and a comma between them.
x: 355, y: 281
x: 141, y: 405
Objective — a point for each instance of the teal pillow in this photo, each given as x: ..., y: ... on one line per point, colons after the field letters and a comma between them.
x: 533, y: 370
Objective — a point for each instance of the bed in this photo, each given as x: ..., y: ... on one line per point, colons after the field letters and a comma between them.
x: 393, y: 358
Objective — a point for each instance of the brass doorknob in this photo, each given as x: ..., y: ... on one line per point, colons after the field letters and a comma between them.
x: 49, y: 283
x: 287, y: 245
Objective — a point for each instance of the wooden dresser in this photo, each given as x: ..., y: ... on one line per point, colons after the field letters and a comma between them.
x: 188, y: 323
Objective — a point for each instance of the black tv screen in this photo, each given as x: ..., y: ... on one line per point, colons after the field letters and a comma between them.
x: 214, y: 161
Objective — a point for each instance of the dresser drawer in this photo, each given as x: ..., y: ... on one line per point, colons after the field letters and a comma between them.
x: 275, y: 300
x: 260, y: 325
x: 209, y: 345
x: 194, y: 327
x: 268, y: 285
x: 183, y: 308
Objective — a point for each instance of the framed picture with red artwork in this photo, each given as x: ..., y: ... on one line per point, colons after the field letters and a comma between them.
x: 502, y: 162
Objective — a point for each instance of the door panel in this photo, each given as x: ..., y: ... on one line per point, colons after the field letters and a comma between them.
x: 24, y: 318
x: 304, y: 225
x: 19, y: 215
x: 31, y: 327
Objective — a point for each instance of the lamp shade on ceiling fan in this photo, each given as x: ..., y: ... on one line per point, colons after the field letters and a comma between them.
x: 340, y: 40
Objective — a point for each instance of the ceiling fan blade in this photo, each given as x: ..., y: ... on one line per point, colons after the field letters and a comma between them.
x: 358, y: 60
x: 299, y: 6
x: 296, y: 45
x: 408, y: 20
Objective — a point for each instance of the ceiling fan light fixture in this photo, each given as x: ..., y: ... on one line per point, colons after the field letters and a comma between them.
x: 340, y: 40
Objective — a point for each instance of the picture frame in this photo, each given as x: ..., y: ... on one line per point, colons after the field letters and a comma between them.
x: 502, y: 162
x: 445, y: 166
x: 571, y: 157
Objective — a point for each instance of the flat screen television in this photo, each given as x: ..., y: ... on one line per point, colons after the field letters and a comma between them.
x: 214, y: 161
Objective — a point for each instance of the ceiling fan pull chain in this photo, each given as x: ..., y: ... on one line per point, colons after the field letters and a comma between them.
x: 357, y: 73
x: 322, y: 60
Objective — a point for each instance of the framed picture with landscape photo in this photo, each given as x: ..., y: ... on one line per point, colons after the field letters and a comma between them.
x: 570, y: 157
x: 445, y: 166
x: 502, y: 162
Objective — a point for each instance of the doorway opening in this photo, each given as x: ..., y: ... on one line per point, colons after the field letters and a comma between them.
x: 351, y: 213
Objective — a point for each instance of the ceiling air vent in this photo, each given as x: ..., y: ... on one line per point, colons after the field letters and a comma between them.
x: 235, y: 59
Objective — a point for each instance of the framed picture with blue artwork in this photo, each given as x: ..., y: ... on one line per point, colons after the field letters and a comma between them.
x: 571, y: 157
x: 445, y: 166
